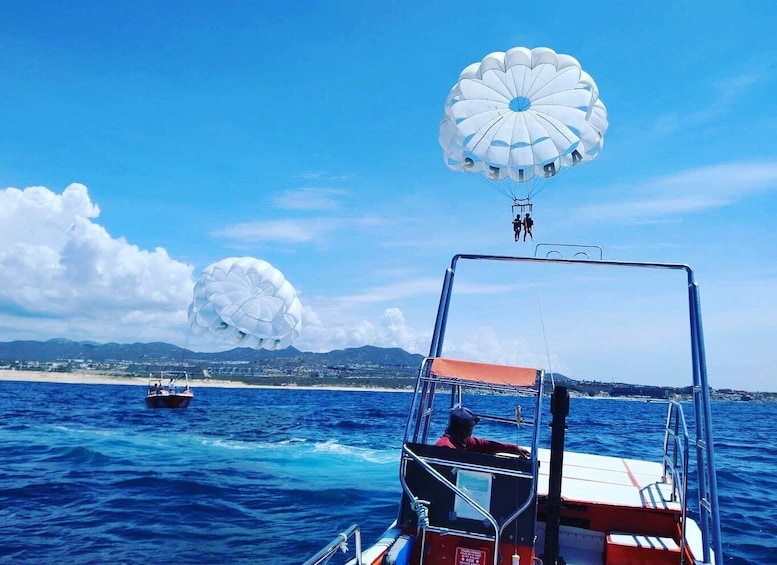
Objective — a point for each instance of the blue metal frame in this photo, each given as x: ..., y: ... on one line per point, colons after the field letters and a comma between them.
x: 705, y: 453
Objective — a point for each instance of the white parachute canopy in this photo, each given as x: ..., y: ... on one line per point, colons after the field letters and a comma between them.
x: 247, y: 302
x: 521, y: 116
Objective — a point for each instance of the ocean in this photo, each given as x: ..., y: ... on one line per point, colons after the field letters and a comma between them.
x: 244, y: 475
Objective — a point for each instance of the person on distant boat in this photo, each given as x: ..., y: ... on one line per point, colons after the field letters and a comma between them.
x: 458, y: 435
x: 527, y: 224
x: 517, y: 226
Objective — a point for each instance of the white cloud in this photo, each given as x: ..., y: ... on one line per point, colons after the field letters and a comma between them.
x: 394, y: 291
x: 731, y: 89
x: 294, y: 230
x: 309, y: 199
x: 691, y: 191
x: 286, y: 231
x: 69, y: 278
x: 389, y: 331
x: 322, y: 175
x: 727, y: 96
x: 484, y: 345
x: 394, y: 332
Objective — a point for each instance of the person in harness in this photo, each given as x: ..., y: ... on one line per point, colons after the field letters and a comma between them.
x: 527, y: 224
x: 517, y: 226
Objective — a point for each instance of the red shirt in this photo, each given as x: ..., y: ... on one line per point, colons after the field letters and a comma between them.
x: 479, y: 445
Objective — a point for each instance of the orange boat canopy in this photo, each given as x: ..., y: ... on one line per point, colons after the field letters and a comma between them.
x: 484, y: 372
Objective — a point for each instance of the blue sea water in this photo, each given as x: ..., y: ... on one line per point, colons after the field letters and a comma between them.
x: 90, y: 475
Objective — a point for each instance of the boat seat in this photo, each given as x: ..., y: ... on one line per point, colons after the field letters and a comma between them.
x: 502, y: 484
x: 639, y: 549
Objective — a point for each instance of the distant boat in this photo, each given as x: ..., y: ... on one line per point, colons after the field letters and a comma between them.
x: 175, y: 393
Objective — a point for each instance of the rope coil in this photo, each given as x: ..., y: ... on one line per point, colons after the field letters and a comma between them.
x: 422, y: 512
x: 343, y: 545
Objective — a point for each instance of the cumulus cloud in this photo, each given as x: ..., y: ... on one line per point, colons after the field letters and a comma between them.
x: 483, y: 344
x: 69, y: 276
x: 389, y: 331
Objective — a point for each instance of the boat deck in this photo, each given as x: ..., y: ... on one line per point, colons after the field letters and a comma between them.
x: 614, y: 486
x: 615, y: 481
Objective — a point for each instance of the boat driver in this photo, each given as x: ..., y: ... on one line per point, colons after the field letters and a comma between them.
x: 458, y: 435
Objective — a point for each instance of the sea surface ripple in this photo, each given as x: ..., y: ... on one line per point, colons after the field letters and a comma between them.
x: 90, y: 475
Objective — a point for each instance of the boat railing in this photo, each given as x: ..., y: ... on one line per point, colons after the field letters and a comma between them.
x: 675, y: 460
x: 339, y: 543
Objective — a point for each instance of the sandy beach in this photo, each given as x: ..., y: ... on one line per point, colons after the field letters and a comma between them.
x: 103, y: 379
x: 98, y: 379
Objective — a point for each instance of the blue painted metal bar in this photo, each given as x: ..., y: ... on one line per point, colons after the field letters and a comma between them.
x: 707, y: 484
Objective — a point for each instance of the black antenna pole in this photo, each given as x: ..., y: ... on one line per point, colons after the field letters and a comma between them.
x: 559, y: 408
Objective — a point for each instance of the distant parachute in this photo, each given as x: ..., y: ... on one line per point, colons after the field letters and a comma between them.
x: 518, y: 118
x: 247, y: 302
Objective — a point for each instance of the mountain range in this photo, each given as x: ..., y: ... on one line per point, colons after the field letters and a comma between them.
x: 64, y: 349
x: 393, y: 360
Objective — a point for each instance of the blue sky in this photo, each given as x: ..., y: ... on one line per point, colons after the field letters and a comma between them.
x: 165, y: 136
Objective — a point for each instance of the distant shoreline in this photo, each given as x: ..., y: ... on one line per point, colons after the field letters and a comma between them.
x: 103, y: 379
x: 98, y: 378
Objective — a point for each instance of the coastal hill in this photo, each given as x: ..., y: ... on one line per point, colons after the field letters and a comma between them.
x: 63, y: 349
x: 366, y: 366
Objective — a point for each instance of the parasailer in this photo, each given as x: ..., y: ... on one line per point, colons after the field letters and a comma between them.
x: 247, y: 302
x: 519, y: 118
x: 527, y: 225
x: 517, y: 223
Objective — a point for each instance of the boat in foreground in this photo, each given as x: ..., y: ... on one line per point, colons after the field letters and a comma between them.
x: 588, y: 506
x: 169, y: 390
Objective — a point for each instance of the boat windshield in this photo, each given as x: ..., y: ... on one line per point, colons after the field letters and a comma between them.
x: 503, y: 399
